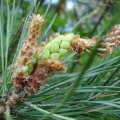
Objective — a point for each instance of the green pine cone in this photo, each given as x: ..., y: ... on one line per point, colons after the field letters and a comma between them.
x: 30, y: 67
x: 59, y: 39
x: 63, y: 52
x: 45, y: 54
x: 54, y: 47
x: 57, y: 48
x: 65, y: 45
x: 55, y: 56
x: 68, y: 37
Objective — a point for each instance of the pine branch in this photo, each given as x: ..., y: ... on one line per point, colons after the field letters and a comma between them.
x: 109, y: 4
x: 46, y: 112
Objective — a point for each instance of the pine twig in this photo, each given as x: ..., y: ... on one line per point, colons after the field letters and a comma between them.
x: 46, y: 112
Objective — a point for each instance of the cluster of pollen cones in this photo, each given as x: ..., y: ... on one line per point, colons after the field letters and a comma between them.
x: 37, y: 62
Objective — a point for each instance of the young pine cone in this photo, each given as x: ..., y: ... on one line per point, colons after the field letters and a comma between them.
x: 61, y: 45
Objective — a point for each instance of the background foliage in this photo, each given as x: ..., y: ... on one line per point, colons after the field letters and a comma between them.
x: 96, y: 94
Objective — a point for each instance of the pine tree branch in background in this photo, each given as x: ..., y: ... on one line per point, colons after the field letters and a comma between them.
x: 60, y: 6
x: 41, y: 2
x: 16, y: 37
x: 107, y: 8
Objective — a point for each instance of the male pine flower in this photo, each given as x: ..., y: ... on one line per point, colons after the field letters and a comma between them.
x: 111, y: 41
x: 26, y: 60
x: 37, y: 62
